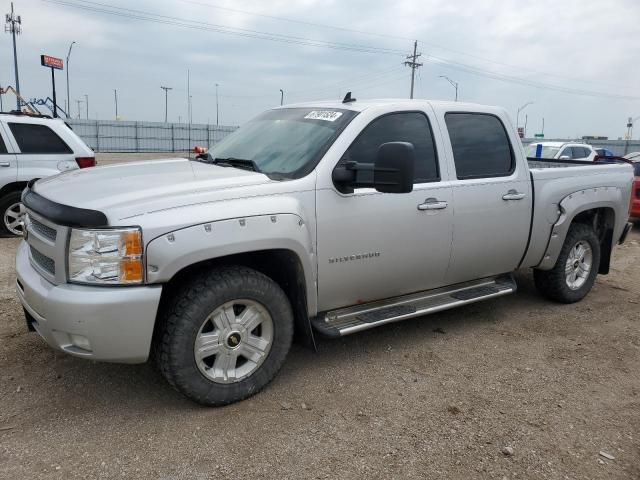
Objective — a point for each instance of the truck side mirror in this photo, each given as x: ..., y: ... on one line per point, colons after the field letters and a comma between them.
x: 565, y: 157
x: 394, y: 168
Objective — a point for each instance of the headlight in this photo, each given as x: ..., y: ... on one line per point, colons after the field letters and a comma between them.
x: 110, y: 256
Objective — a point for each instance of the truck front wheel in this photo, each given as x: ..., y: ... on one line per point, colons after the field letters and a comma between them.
x: 575, y: 271
x: 225, y: 335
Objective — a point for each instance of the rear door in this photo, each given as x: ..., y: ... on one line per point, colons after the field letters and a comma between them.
x: 8, y: 161
x: 41, y: 151
x: 491, y: 194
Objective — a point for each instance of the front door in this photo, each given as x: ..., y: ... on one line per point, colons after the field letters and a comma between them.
x: 375, y: 245
x: 492, y: 195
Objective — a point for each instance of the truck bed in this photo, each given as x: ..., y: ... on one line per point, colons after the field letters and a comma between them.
x: 553, y: 180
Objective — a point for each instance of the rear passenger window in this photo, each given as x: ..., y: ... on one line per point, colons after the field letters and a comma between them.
x: 412, y: 127
x: 3, y: 147
x: 37, y: 139
x: 480, y: 145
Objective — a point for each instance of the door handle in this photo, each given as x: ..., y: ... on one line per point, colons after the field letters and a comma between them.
x: 432, y: 204
x: 513, y: 195
x: 5, y: 164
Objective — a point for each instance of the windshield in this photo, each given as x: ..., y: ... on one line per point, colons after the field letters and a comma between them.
x: 547, y: 152
x: 285, y: 143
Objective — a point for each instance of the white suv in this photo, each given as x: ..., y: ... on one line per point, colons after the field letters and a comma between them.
x: 33, y: 147
x: 561, y: 151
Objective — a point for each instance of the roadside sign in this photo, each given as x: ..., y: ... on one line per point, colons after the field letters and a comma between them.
x: 53, y: 62
x: 539, y: 135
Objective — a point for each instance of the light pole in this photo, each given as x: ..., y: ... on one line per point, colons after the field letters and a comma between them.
x: 115, y: 96
x: 630, y: 123
x: 86, y: 101
x: 217, y: 111
x: 68, y: 97
x: 455, y: 84
x: 14, y: 26
x: 519, y: 110
x: 281, y: 96
x: 166, y: 99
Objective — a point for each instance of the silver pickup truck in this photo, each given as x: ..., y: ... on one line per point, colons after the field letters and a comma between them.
x: 312, y: 219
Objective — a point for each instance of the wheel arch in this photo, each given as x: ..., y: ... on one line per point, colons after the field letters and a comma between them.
x: 594, y: 207
x: 13, y: 187
x: 281, y: 265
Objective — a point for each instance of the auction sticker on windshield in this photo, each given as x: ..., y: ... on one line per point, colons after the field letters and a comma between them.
x: 327, y: 115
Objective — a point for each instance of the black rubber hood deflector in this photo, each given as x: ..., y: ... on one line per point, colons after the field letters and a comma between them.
x: 62, y: 214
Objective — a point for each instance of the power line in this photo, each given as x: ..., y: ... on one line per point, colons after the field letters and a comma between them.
x: 164, y: 19
x: 398, y: 37
x: 199, y: 25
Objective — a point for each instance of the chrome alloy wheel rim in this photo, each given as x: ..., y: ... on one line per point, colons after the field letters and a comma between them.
x: 578, y: 266
x: 233, y: 341
x: 14, y: 218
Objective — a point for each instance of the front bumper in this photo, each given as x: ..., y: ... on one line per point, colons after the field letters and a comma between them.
x: 113, y: 324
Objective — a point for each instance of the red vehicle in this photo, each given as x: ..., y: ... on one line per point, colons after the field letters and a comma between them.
x: 635, y: 193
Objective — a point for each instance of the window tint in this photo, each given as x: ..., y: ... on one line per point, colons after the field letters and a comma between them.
x: 3, y: 147
x: 480, y: 145
x: 567, y: 152
x: 37, y: 139
x: 409, y: 127
x: 584, y: 152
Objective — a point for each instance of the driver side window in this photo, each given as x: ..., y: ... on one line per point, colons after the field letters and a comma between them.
x: 412, y: 127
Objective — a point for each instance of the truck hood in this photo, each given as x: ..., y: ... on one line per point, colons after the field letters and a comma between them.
x: 130, y: 189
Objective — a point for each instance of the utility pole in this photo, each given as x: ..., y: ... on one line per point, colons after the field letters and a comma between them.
x: 13, y: 25
x: 79, y: 102
x: 519, y: 110
x: 86, y: 99
x: 1, y: 93
x: 166, y: 99
x: 281, y: 96
x: 68, y: 97
x: 455, y: 84
x: 411, y: 62
x: 217, y: 111
x: 115, y: 95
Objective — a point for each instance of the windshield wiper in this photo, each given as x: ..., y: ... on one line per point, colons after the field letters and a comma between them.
x: 237, y: 163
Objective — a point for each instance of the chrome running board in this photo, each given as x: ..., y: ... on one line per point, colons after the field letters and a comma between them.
x: 337, y: 323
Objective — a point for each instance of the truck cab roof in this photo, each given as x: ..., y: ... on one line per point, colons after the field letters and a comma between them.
x: 361, y: 105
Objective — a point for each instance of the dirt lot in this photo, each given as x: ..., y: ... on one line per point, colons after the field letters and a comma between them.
x: 435, y: 397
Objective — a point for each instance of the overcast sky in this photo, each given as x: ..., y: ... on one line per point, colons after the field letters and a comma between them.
x: 501, y: 52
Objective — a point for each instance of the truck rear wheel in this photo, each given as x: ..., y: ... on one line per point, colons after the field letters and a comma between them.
x: 225, y: 335
x: 575, y: 271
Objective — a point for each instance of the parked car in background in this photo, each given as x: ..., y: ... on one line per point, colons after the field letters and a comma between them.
x: 605, y: 153
x: 561, y: 151
x: 634, y: 211
x: 633, y: 156
x: 33, y: 147
x: 321, y: 218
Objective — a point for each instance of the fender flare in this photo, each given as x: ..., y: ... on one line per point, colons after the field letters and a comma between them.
x: 571, y: 206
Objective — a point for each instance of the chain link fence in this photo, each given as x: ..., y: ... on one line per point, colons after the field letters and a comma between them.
x: 121, y: 136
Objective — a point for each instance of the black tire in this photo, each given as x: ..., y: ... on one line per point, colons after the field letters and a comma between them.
x: 6, y: 201
x: 185, y: 314
x: 553, y: 283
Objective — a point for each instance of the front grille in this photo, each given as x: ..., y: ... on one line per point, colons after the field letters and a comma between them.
x: 47, y: 232
x: 44, y: 262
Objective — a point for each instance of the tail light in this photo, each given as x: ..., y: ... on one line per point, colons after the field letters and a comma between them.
x: 86, y: 162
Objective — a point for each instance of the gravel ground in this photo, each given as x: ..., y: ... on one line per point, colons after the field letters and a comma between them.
x: 515, y: 387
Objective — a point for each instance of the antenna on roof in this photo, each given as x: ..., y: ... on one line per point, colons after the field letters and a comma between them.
x: 347, y: 98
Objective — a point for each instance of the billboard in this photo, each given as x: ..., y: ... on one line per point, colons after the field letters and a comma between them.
x: 53, y: 62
